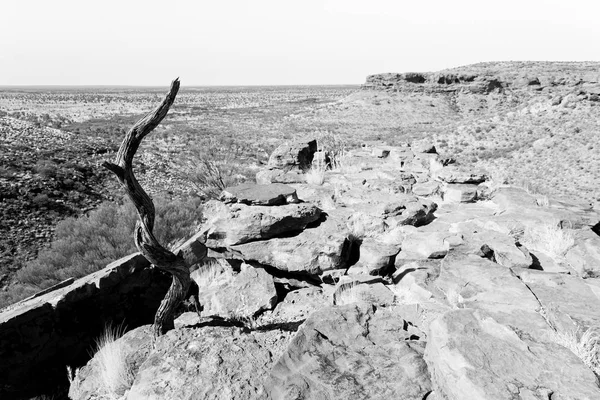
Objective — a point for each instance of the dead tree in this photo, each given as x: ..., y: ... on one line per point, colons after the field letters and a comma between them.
x: 144, y: 239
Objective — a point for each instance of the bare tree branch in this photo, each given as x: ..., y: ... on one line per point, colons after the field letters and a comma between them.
x: 143, y: 234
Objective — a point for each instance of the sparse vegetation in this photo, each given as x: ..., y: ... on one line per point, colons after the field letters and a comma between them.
x: 315, y: 175
x: 116, y: 375
x: 585, y: 345
x: 89, y: 243
x: 549, y: 238
x: 349, y: 294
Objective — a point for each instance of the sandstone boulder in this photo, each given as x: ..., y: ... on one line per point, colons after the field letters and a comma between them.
x: 299, y: 304
x: 458, y: 175
x: 375, y: 256
x: 380, y: 152
x: 209, y: 362
x: 423, y: 147
x: 401, y: 156
x: 238, y: 223
x: 419, y: 245
x: 426, y: 189
x: 409, y: 210
x: 242, y: 295
x: 351, y: 352
x: 294, y: 155
x: 472, y: 355
x: 584, y: 256
x: 42, y: 334
x: 569, y: 303
x: 459, y: 193
x: 470, y: 281
x: 513, y: 197
x: 424, y: 161
x: 314, y: 250
x: 506, y: 252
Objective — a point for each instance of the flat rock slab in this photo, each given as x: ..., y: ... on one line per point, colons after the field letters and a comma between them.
x: 423, y: 147
x: 469, y: 281
x: 426, y: 189
x: 457, y: 175
x: 299, y: 304
x: 584, y: 256
x: 293, y: 155
x: 244, y: 295
x: 376, y: 256
x: 570, y: 303
x: 418, y: 245
x: 505, y: 250
x: 459, y: 193
x: 203, y: 363
x: 472, y: 356
x: 269, y: 176
x: 274, y: 194
x: 351, y: 352
x: 313, y: 251
x: 238, y: 223
x: 512, y: 197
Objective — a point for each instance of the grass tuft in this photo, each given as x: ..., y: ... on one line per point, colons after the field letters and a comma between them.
x: 349, y: 294
x: 542, y: 200
x: 549, y: 238
x: 208, y: 273
x: 116, y: 376
x: 315, y: 175
x: 585, y: 345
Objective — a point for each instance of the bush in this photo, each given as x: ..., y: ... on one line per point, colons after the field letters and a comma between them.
x: 215, y: 165
x: 87, y: 244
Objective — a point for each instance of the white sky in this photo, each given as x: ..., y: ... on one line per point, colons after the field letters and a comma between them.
x: 270, y: 42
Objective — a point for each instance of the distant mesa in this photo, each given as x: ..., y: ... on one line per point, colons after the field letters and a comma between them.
x: 491, y: 76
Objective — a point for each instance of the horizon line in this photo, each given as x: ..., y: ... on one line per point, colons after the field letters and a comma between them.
x: 161, y: 86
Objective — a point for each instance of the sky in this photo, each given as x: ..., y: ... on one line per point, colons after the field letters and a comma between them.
x: 279, y: 42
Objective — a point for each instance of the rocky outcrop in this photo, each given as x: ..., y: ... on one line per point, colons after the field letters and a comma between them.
x: 42, y: 334
x: 204, y: 362
x: 473, y: 356
x: 293, y: 155
x: 237, y: 295
x: 39, y: 336
x: 236, y: 224
x: 288, y: 162
x: 485, y: 78
x: 352, y: 352
x: 364, y: 288
x: 313, y: 251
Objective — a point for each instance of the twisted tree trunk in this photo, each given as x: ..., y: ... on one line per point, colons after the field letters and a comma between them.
x: 143, y: 236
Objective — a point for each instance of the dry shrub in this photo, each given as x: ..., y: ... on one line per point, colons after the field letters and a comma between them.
x: 210, y: 273
x: 87, y: 244
x: 215, y: 166
x: 115, y: 375
x: 349, y: 294
x: 585, y: 345
x: 549, y: 238
x: 333, y: 145
x: 315, y: 175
